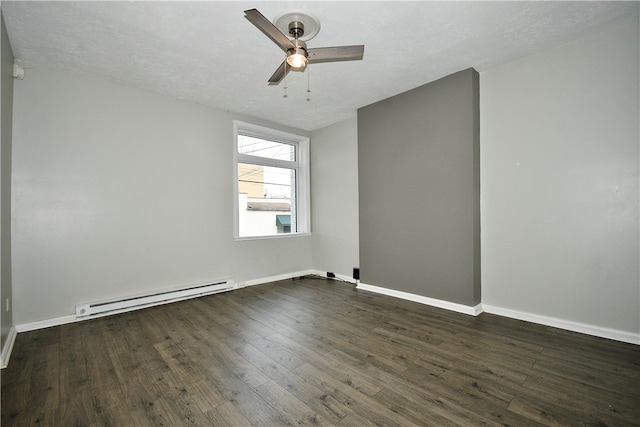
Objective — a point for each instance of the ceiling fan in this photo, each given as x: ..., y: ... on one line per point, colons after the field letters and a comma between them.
x: 298, y: 55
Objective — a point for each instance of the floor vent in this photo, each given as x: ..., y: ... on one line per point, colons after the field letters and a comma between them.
x: 105, y: 308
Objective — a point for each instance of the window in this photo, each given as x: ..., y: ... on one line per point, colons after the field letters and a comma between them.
x: 272, y: 182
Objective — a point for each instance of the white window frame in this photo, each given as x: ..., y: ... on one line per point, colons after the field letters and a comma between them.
x: 303, y: 187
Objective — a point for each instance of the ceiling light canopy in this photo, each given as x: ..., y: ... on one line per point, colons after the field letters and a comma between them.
x: 309, y: 23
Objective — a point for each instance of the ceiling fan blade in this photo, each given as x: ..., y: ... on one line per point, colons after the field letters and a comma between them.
x: 280, y: 73
x: 270, y: 30
x: 337, y: 53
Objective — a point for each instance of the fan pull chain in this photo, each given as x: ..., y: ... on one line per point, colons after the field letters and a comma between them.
x: 285, y: 80
x: 308, y: 84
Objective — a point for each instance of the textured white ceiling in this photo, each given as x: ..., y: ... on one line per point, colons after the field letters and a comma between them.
x: 209, y: 53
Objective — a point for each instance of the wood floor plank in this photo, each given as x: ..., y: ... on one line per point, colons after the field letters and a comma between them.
x: 420, y: 412
x: 291, y: 408
x: 233, y: 378
x: 315, y: 398
x: 605, y: 380
x: 328, y: 335
x: 205, y: 395
x: 45, y: 380
x: 179, y: 362
x: 303, y: 347
x: 16, y: 384
x: 367, y: 407
x: 235, y: 314
x: 620, y: 408
x: 421, y: 394
x: 268, y: 346
x: 76, y: 405
x: 226, y: 357
x: 105, y: 385
x: 226, y: 415
x: 253, y: 407
x: 141, y: 345
x: 281, y: 326
x: 169, y: 388
x: 312, y: 351
x: 550, y: 414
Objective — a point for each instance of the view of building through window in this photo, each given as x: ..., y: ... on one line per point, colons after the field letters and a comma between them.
x: 266, y: 187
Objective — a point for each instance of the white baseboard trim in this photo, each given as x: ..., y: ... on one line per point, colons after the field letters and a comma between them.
x: 597, y: 331
x: 276, y: 278
x: 346, y: 279
x: 341, y: 277
x: 447, y: 305
x: 25, y: 327
x: 582, y: 328
x: 8, y: 346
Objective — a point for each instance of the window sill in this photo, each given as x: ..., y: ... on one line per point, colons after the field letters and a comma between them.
x: 273, y: 236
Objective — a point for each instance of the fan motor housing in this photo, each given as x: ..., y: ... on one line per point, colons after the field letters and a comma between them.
x: 296, y: 29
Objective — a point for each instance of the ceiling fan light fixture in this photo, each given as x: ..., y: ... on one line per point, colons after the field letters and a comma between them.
x: 300, y: 27
x: 297, y: 58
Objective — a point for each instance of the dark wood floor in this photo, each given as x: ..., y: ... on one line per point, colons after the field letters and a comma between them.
x: 316, y: 352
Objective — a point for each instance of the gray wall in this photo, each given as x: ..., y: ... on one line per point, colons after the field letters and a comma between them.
x: 6, y: 111
x: 419, y: 190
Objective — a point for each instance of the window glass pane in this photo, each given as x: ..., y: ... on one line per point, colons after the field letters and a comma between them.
x: 272, y: 182
x: 263, y: 148
x: 266, y: 200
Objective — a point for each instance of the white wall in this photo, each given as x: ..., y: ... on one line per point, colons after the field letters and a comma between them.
x: 559, y: 183
x: 334, y: 197
x: 6, y: 110
x: 119, y: 191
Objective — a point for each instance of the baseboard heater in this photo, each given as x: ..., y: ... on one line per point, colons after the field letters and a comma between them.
x: 105, y: 308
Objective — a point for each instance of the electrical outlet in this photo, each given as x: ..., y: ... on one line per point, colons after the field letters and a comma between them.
x: 7, y: 305
x: 356, y: 273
